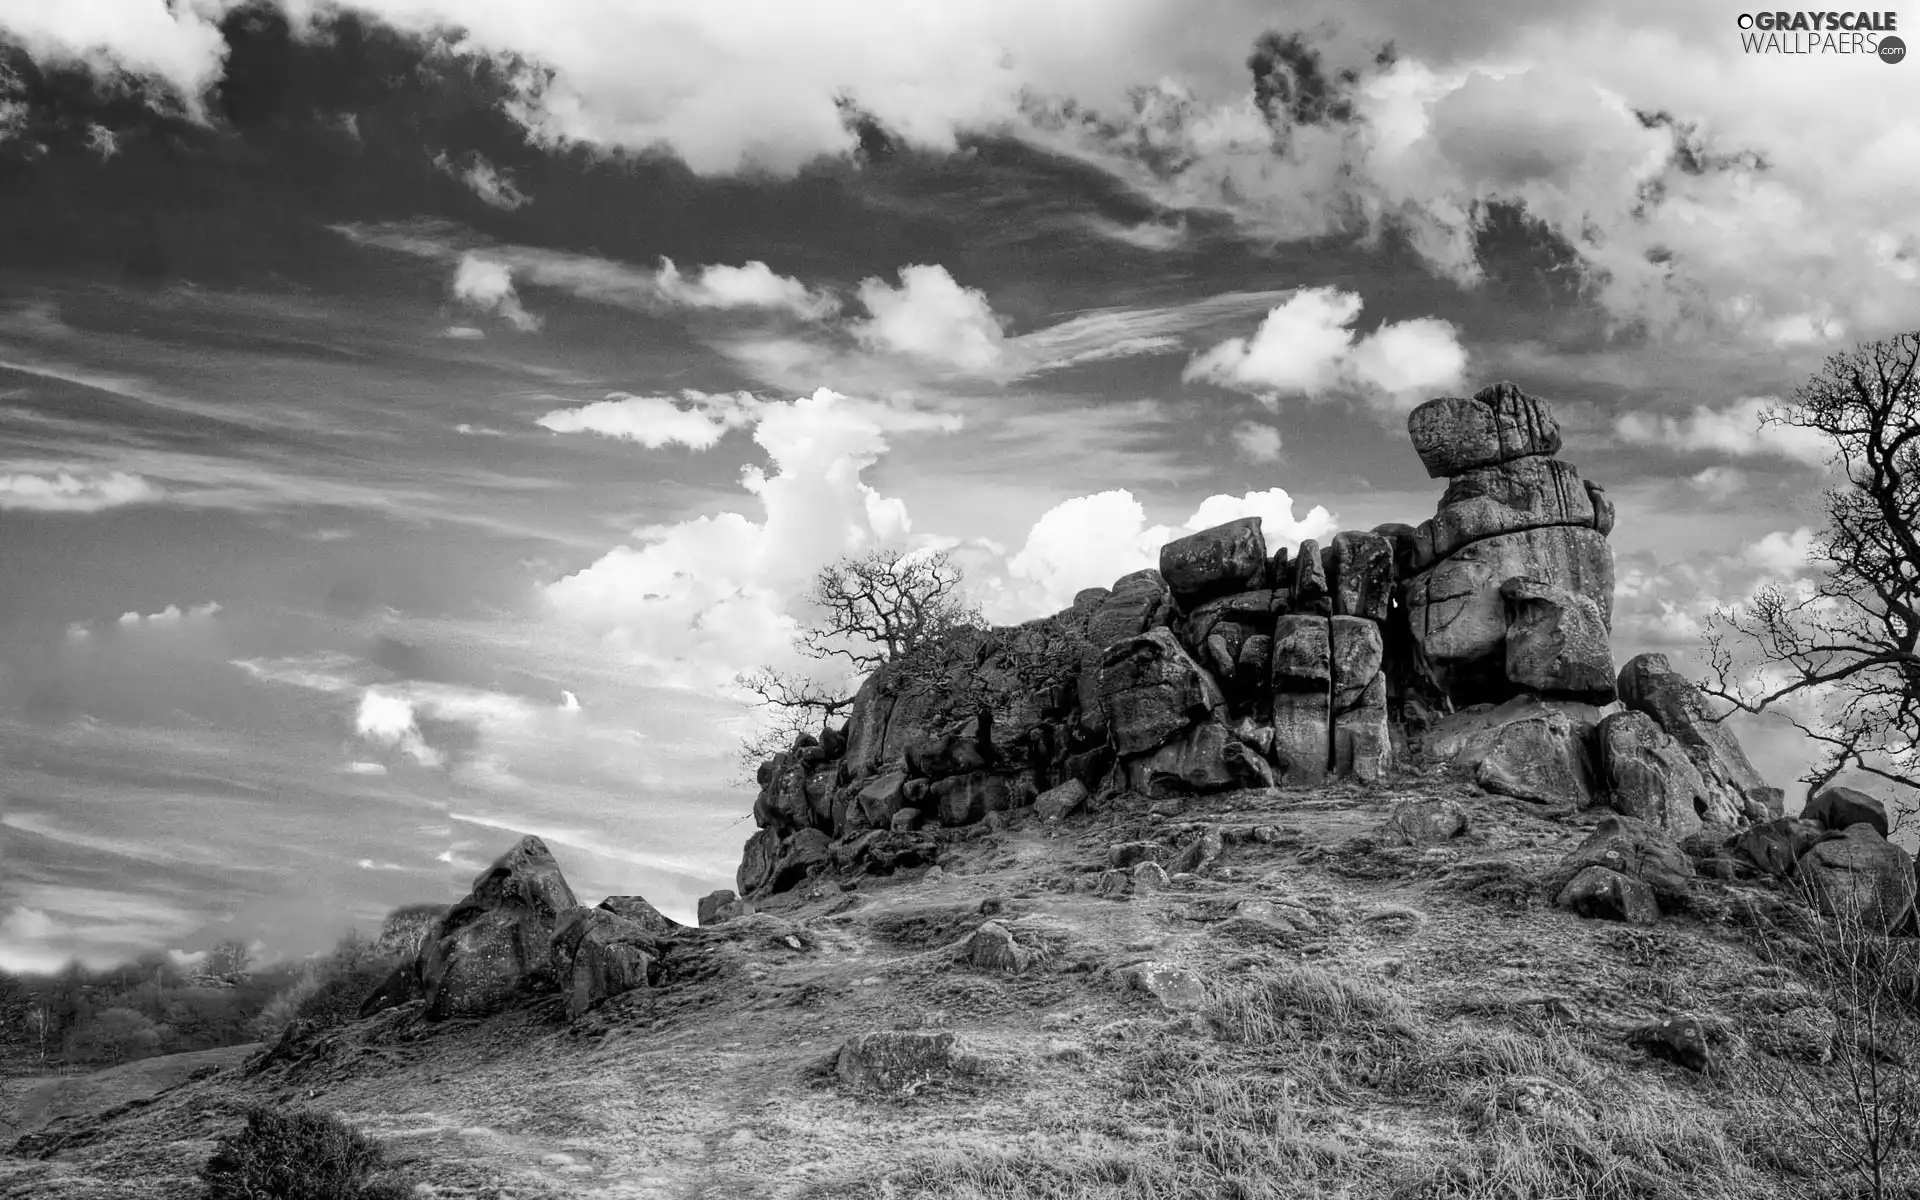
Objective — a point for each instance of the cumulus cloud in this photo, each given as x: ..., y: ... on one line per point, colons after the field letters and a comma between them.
x: 177, y: 44
x: 1257, y: 441
x: 696, y: 420
x: 750, y: 285
x: 71, y: 492
x: 486, y: 285
x: 1736, y: 430
x: 1307, y: 347
x: 701, y: 600
x: 1090, y: 541
x: 388, y: 720
x: 1782, y: 552
x: 930, y: 317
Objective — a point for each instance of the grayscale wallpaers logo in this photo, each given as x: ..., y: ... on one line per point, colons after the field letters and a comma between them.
x: 1867, y: 34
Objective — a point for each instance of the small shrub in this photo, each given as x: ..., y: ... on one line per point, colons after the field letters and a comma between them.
x: 292, y: 1154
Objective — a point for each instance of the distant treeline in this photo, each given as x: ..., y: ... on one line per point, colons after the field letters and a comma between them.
x: 156, y: 1005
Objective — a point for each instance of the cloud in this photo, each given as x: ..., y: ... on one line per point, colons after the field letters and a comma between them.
x: 930, y: 317
x: 170, y: 616
x: 1090, y: 541
x: 494, y: 187
x: 177, y: 44
x: 388, y: 720
x: 1736, y: 430
x: 701, y: 600
x: 463, y: 333
x: 1718, y: 483
x: 1307, y: 347
x: 569, y: 702
x: 365, y: 768
x: 696, y: 420
x: 750, y: 287
x: 1783, y: 553
x: 68, y: 492
x: 486, y: 285
x: 1257, y: 442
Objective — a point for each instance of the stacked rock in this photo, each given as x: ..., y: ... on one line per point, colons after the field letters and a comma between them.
x: 1512, y: 580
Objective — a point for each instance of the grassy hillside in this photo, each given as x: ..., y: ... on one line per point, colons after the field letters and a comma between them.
x: 1318, y: 1012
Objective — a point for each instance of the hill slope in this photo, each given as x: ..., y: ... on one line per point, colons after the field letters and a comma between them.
x: 1316, y: 1012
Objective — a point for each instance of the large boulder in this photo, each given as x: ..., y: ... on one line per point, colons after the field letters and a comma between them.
x: 1454, y: 435
x: 1776, y: 847
x: 1645, y: 773
x: 1360, y: 739
x: 1507, y: 497
x: 1205, y: 758
x: 1458, y: 616
x: 1525, y: 748
x: 1606, y: 894
x: 773, y: 864
x: 1861, y: 875
x: 498, y: 940
x: 1557, y: 642
x: 1649, y: 684
x: 1837, y: 808
x: 1636, y: 850
x: 720, y: 906
x: 1215, y: 562
x: 1302, y: 684
x: 599, y: 953
x: 1310, y: 592
x: 967, y: 799
x: 1363, y: 575
x: 641, y: 913
x: 1150, y: 689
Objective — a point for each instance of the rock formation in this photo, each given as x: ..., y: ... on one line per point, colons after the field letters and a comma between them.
x: 1479, y: 637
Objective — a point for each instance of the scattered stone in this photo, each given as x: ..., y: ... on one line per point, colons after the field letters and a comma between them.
x: 1836, y: 808
x: 1173, y: 987
x: 1150, y: 877
x: 992, y: 948
x: 1679, y: 1040
x: 1198, y: 854
x: 1125, y: 854
x: 901, y: 1062
x: 1424, y: 822
x: 1609, y: 895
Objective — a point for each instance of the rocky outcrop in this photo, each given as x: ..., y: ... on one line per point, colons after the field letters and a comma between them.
x: 1645, y: 773
x: 1512, y: 584
x: 598, y: 953
x: 498, y: 940
x: 1649, y: 684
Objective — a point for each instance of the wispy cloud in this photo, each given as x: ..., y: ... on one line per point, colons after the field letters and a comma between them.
x: 696, y: 420
x: 493, y: 186
x: 64, y: 491
x: 1738, y: 430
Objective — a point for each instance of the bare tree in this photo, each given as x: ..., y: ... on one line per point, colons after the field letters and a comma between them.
x: 1857, y: 1096
x: 869, y: 610
x: 1846, y: 650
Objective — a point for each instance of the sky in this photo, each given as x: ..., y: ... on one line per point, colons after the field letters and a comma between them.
x: 415, y: 414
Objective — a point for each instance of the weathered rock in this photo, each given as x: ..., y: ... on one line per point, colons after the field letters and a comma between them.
x: 1775, y: 847
x: 1062, y: 801
x: 1309, y: 593
x: 1608, y: 895
x: 962, y: 750
x: 1214, y: 562
x: 637, y: 910
x: 1649, y: 684
x: 965, y: 799
x: 904, y: 820
x: 1424, y: 822
x: 1199, y: 854
x: 901, y: 1062
x: 1205, y: 758
x: 1458, y: 617
x: 882, y: 797
x: 601, y: 954
x: 1151, y: 689
x: 783, y: 804
x: 1150, y: 877
x: 1679, y: 1040
x: 1539, y: 754
x: 992, y: 948
x: 1557, y: 642
x: 1173, y: 987
x: 1121, y: 855
x: 1253, y: 668
x: 1634, y: 849
x: 1602, y: 507
x: 497, y: 941
x: 898, y: 850
x: 1363, y: 575
x: 1524, y: 493
x: 1360, y: 741
x: 1302, y: 683
x: 757, y: 858
x: 1861, y: 876
x: 1836, y: 808
x: 1644, y: 773
x: 1497, y: 424
x: 401, y: 986
x: 719, y: 907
